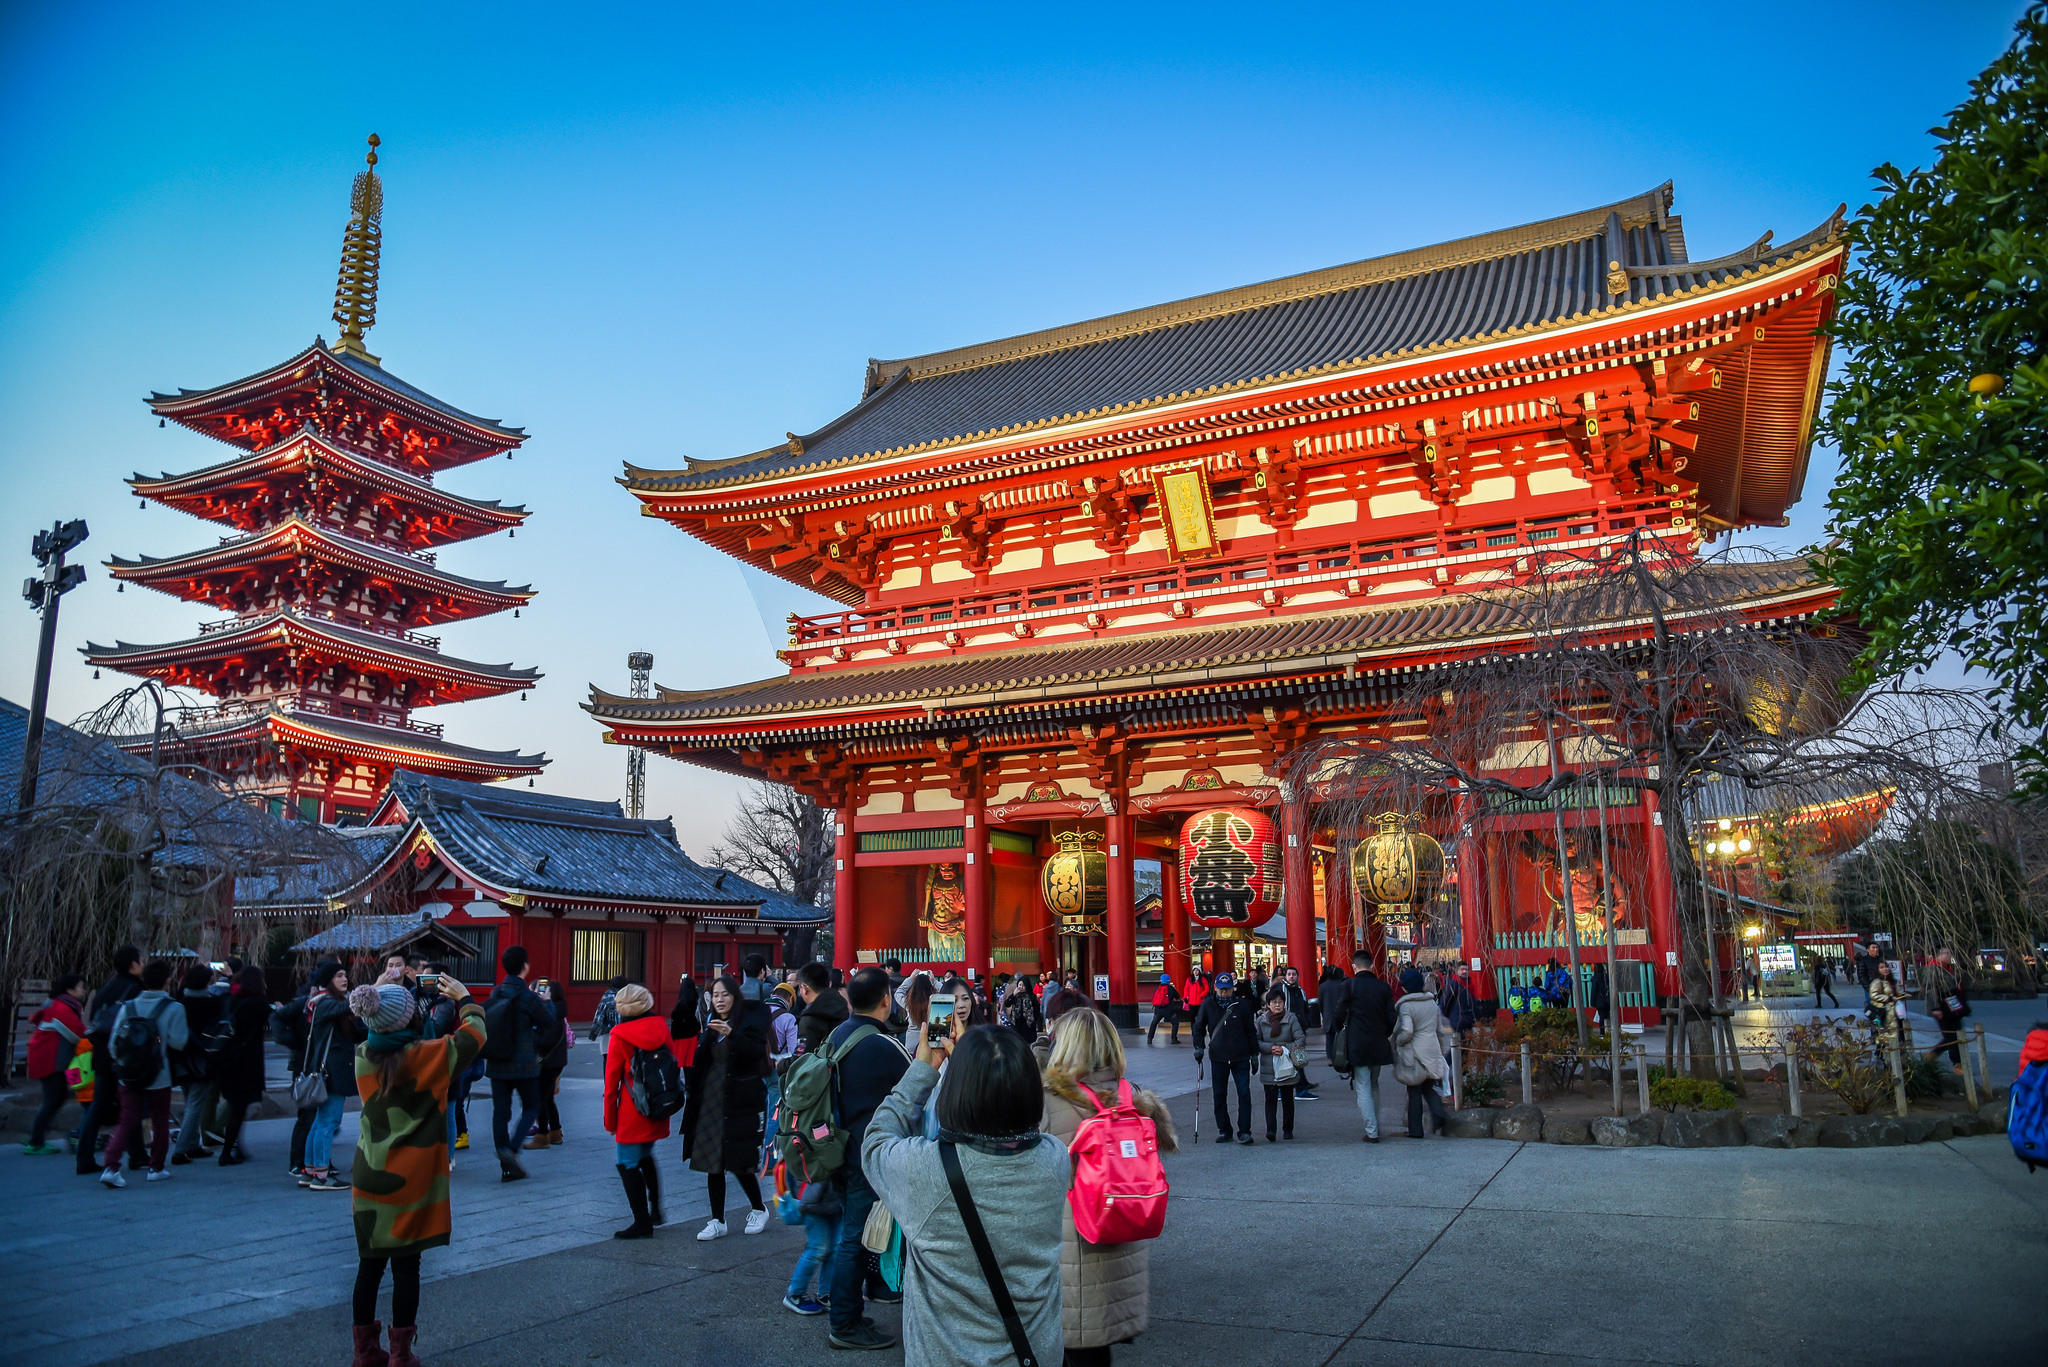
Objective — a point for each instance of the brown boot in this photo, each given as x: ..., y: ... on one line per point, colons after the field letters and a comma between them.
x: 539, y: 1141
x: 402, y: 1354
x: 369, y: 1349
x: 554, y: 1136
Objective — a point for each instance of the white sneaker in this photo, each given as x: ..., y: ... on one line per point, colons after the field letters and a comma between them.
x: 112, y: 1178
x: 757, y: 1220
x: 713, y: 1229
x: 158, y: 1175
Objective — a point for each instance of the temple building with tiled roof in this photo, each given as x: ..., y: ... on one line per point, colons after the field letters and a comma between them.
x: 331, y: 573
x: 1103, y: 578
x: 588, y: 891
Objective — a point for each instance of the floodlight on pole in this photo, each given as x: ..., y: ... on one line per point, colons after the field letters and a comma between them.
x: 43, y: 592
x: 641, y: 664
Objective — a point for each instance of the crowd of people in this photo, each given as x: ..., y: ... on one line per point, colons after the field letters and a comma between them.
x: 917, y: 1129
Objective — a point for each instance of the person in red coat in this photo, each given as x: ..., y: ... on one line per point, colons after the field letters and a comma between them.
x: 58, y: 1028
x: 634, y: 1133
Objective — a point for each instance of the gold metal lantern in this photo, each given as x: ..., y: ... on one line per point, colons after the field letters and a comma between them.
x: 1398, y: 867
x: 1075, y: 883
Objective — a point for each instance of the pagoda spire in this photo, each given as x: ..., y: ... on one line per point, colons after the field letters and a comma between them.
x: 355, y: 293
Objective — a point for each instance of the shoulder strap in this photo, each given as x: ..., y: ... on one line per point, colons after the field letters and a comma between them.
x: 970, y: 1218
x: 861, y: 1034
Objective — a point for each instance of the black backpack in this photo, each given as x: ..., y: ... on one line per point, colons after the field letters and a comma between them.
x: 654, y: 1081
x: 288, y: 1024
x: 502, y: 1019
x: 137, y: 1047
x: 219, y: 1033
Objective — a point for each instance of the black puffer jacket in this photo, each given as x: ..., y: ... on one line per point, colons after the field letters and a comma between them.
x: 1366, y: 1015
x: 1224, y: 1027
x: 239, y: 1067
x: 534, y: 1027
x: 331, y: 1041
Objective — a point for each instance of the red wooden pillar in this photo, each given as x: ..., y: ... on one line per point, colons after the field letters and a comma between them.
x: 1338, y: 935
x: 1122, y: 946
x: 1665, y: 940
x: 975, y: 877
x: 1173, y: 920
x: 845, y: 911
x: 1298, y: 888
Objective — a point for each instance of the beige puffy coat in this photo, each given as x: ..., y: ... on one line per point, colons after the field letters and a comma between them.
x: 1105, y: 1289
x: 1422, y: 1042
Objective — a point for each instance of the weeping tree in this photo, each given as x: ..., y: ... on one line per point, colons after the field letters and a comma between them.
x: 782, y: 840
x: 132, y: 848
x: 1642, y: 672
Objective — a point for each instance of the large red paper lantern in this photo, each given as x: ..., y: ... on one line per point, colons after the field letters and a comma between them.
x: 1230, y: 862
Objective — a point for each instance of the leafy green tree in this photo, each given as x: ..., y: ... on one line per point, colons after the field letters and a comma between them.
x: 1941, y: 509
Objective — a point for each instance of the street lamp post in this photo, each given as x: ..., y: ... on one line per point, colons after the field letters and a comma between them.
x: 43, y: 592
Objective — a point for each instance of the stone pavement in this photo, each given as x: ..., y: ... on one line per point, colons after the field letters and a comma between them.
x: 1320, y: 1251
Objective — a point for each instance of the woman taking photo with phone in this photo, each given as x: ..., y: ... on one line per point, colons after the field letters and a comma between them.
x: 722, y: 1119
x: 990, y: 1179
x: 400, y: 1189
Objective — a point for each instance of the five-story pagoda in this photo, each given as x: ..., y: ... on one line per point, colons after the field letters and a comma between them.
x: 331, y: 570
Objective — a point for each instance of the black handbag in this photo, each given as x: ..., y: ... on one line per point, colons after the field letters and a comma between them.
x: 976, y: 1235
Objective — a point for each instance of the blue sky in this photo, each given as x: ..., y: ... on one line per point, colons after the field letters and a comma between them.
x: 645, y: 232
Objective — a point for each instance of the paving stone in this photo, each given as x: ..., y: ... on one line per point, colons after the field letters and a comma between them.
x: 1861, y: 1132
x: 1627, y: 1132
x: 1472, y: 1124
x: 1702, y: 1130
x: 1522, y: 1124
x: 1781, y: 1131
x: 1927, y: 1129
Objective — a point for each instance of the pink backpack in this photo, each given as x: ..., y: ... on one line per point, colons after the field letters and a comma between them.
x: 1119, y: 1191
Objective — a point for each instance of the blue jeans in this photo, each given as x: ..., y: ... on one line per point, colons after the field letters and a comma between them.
x: 774, y: 1099
x: 849, y: 1255
x: 326, y: 1124
x: 820, y: 1237
x: 631, y: 1155
x: 510, y: 1142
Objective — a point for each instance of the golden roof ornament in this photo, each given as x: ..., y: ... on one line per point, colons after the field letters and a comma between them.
x: 355, y: 293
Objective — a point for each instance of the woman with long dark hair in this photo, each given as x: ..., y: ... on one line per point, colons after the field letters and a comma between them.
x: 401, y: 1168
x: 331, y: 1038
x: 1016, y: 1181
x: 727, y: 1099
x: 240, y: 1064
x: 547, y: 1131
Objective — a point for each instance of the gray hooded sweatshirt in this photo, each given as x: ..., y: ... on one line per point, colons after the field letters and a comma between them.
x: 948, y: 1314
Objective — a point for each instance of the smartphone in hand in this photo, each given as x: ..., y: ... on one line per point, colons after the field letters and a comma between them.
x: 939, y: 1017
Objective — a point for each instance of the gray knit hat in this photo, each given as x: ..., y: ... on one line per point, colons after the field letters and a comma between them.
x: 386, y: 1009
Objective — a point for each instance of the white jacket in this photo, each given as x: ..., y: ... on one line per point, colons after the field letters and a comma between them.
x: 1422, y: 1042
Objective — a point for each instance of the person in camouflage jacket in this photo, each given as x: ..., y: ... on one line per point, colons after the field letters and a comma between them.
x: 400, y: 1180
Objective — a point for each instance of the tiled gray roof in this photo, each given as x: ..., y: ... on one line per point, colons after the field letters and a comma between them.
x: 1469, y: 289
x: 359, y: 849
x: 575, y: 847
x: 205, y: 826
x: 1115, y: 665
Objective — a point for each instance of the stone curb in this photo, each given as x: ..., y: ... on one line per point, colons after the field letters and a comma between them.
x: 1527, y: 1124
